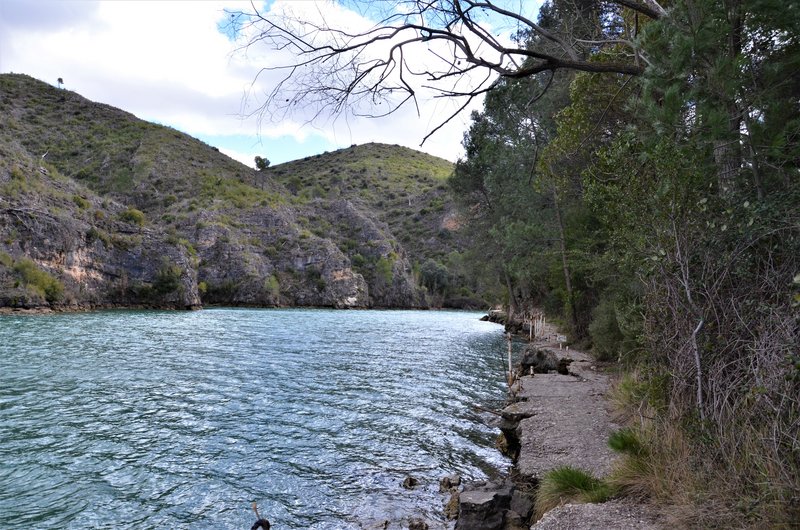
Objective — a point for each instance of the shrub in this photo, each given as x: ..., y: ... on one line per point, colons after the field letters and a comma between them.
x: 272, y: 286
x: 40, y: 281
x: 81, y: 202
x: 316, y: 279
x: 358, y: 260
x: 383, y: 269
x: 604, y: 330
x: 94, y: 234
x: 168, y: 278
x: 133, y: 216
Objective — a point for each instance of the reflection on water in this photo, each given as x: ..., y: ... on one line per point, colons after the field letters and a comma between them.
x: 171, y: 419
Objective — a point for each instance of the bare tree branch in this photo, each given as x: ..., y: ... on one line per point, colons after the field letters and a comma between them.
x: 421, y: 44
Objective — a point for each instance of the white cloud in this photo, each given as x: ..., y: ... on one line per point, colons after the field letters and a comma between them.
x: 245, y: 158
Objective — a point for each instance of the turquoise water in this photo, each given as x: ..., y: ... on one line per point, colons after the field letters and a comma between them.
x: 151, y: 419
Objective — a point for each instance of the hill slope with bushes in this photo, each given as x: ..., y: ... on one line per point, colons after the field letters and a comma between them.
x: 99, y: 208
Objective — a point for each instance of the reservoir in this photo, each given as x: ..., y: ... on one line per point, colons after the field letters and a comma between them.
x: 158, y: 419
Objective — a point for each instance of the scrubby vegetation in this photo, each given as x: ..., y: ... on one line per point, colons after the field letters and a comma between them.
x: 99, y: 184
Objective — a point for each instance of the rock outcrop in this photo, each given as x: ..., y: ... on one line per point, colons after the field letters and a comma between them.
x: 484, y: 506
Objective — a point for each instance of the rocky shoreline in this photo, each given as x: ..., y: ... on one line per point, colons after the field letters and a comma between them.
x: 557, y: 415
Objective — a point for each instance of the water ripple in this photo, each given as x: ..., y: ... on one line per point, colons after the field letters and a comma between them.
x: 170, y: 420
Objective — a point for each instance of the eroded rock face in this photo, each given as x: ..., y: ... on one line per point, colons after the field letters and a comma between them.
x: 139, y: 266
x: 375, y: 256
x: 155, y: 218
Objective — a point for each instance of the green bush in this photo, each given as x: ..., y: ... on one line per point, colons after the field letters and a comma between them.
x: 272, y: 286
x: 40, y: 281
x: 570, y: 484
x: 168, y: 279
x: 383, y: 269
x: 81, y: 202
x: 6, y: 260
x: 133, y: 216
x: 606, y: 336
x: 95, y: 234
x: 358, y: 261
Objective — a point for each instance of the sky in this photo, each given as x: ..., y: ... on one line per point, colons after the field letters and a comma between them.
x: 170, y: 63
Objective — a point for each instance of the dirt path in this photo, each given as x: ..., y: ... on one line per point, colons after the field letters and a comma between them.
x: 564, y: 420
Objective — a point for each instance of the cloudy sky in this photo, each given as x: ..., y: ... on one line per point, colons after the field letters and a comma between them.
x: 170, y: 63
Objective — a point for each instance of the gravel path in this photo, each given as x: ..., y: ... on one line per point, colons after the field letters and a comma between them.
x: 564, y: 420
x: 613, y: 515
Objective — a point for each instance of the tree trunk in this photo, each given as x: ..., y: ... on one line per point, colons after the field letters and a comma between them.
x: 513, y: 305
x: 562, y: 239
x: 727, y: 151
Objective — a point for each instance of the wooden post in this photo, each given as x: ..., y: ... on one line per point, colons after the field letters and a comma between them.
x: 510, y: 372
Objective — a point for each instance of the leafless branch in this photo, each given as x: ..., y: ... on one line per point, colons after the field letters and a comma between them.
x: 423, y: 43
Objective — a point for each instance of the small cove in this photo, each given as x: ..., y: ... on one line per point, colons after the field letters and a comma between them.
x: 161, y: 419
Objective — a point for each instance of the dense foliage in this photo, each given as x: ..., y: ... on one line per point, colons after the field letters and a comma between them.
x: 658, y: 216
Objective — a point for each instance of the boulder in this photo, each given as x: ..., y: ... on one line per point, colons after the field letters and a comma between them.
x: 538, y: 361
x: 417, y: 524
x: 484, y: 508
x: 515, y: 521
x: 449, y: 482
x: 410, y: 483
x: 522, y: 504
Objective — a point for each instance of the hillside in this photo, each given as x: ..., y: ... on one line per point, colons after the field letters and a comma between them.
x: 99, y: 208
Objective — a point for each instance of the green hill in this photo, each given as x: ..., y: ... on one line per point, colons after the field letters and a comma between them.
x: 99, y: 208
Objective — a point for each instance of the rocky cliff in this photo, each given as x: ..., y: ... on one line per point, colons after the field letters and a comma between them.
x: 99, y: 208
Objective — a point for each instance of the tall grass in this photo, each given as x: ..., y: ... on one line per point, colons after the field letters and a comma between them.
x: 709, y: 476
x: 569, y: 484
